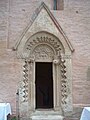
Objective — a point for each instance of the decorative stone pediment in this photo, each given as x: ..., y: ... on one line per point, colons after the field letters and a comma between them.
x: 43, y: 20
x: 44, y: 41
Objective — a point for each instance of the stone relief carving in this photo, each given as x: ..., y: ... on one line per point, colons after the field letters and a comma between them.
x: 43, y: 40
x: 63, y: 82
x: 25, y: 82
x: 43, y: 52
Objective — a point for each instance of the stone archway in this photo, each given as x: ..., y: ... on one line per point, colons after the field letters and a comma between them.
x: 45, y: 43
x: 46, y: 48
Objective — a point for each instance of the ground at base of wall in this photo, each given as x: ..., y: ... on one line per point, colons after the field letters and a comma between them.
x: 11, y: 117
x: 67, y: 118
x: 74, y: 116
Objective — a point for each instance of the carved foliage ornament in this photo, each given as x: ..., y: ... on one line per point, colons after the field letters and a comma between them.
x: 31, y: 44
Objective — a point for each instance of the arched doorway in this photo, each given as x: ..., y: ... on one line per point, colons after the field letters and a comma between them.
x: 44, y: 52
x: 45, y: 83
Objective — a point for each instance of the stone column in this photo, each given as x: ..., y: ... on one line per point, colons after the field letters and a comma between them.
x: 23, y: 92
x: 56, y: 83
x: 31, y: 100
x: 66, y: 83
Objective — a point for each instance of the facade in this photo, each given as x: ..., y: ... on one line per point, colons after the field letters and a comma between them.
x: 34, y: 36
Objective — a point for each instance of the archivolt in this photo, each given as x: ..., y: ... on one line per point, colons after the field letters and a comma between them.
x: 43, y: 39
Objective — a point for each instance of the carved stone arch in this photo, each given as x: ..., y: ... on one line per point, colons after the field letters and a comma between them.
x: 45, y: 42
x: 45, y: 47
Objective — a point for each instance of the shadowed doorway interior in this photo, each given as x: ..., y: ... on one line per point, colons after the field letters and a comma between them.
x: 44, y: 85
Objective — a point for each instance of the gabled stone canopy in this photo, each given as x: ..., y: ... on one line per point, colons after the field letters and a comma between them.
x: 43, y: 20
x: 44, y: 41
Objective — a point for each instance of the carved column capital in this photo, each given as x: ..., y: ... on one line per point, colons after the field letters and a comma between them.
x: 31, y: 59
x: 56, y: 61
x: 66, y: 56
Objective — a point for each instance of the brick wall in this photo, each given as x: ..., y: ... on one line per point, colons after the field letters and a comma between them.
x: 75, y: 21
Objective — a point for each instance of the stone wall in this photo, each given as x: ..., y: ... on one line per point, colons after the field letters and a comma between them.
x: 75, y: 21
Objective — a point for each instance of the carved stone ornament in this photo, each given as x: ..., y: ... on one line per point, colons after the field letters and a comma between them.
x: 43, y: 45
x: 63, y: 82
x: 56, y: 61
x: 43, y: 39
x: 25, y: 82
x: 43, y: 52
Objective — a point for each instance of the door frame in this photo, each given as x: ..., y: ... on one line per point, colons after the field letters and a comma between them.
x: 56, y: 87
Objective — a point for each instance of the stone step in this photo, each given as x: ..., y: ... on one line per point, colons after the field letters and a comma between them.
x: 47, y: 117
x: 46, y: 112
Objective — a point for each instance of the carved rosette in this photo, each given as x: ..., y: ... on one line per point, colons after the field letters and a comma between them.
x: 52, y: 43
x: 63, y: 82
x: 25, y: 82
